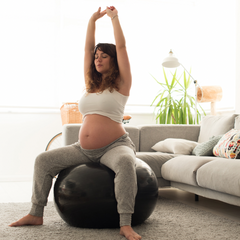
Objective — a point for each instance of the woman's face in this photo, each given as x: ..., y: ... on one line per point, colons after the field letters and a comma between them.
x: 102, y: 62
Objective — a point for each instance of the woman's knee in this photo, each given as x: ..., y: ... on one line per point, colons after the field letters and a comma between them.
x: 126, y: 161
x: 42, y: 160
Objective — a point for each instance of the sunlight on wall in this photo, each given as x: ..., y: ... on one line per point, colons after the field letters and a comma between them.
x: 43, y: 45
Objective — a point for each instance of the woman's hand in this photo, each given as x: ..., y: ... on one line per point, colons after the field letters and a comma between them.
x: 98, y: 14
x: 111, y: 11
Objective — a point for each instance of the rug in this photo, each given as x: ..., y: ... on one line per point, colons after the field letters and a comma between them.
x: 170, y: 220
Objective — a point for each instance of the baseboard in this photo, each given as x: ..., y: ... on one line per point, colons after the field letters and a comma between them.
x: 16, y: 178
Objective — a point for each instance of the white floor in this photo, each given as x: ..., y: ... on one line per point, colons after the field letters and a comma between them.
x: 21, y: 192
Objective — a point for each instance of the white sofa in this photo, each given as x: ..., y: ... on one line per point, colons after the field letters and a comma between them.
x: 209, y: 176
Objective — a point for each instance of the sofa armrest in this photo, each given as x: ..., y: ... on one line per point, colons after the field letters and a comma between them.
x: 133, y: 134
x: 70, y: 134
x: 151, y: 134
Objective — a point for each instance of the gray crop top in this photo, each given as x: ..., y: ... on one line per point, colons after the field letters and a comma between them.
x: 106, y: 104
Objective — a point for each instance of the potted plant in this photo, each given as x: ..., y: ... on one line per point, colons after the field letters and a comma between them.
x: 173, y: 104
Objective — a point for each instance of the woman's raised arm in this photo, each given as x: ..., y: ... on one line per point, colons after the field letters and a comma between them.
x: 122, y: 56
x: 90, y: 40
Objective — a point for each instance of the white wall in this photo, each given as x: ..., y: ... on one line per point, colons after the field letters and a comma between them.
x: 25, y: 135
x: 237, y: 89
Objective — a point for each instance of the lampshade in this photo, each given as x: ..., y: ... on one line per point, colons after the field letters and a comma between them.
x: 171, y: 61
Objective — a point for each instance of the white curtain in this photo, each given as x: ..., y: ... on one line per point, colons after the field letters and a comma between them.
x: 42, y: 43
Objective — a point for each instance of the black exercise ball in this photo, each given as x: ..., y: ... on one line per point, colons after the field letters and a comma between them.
x: 84, y: 195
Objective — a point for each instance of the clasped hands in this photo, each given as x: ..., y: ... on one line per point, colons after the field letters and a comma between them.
x: 110, y: 11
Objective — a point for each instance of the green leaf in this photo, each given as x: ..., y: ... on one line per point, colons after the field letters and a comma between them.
x: 173, y: 104
x: 165, y: 77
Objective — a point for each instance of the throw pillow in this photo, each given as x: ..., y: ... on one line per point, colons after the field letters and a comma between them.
x: 175, y: 145
x: 206, y: 148
x: 215, y: 125
x: 229, y: 145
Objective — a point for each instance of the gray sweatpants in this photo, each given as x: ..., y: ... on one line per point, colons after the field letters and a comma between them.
x: 118, y: 156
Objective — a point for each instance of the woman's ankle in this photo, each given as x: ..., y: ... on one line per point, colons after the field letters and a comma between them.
x: 125, y: 219
x: 36, y: 210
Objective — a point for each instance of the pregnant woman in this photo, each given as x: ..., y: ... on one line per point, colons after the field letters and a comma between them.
x: 102, y: 137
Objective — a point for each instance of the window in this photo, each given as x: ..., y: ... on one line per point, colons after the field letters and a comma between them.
x: 42, y: 46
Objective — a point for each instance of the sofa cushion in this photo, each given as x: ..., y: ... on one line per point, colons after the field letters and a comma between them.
x: 229, y: 145
x: 220, y: 175
x: 155, y: 160
x: 215, y: 126
x: 151, y: 134
x: 175, y: 145
x: 183, y: 168
x: 206, y: 148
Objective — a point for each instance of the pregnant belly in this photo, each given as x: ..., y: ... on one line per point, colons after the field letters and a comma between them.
x: 98, y: 131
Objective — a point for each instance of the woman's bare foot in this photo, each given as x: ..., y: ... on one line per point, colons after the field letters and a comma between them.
x: 129, y: 234
x: 28, y: 220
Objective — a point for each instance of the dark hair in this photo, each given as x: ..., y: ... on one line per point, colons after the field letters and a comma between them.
x: 94, y: 78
